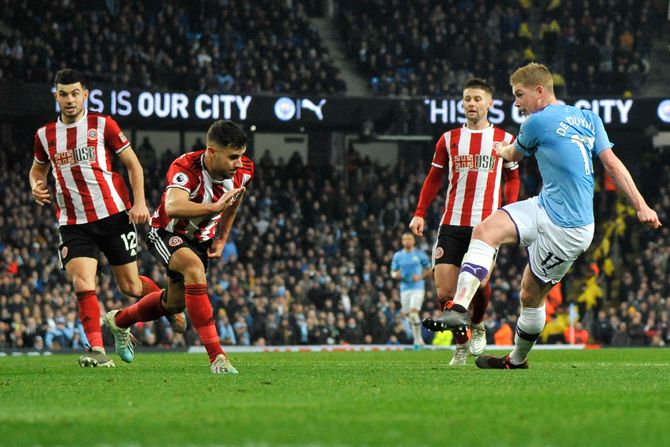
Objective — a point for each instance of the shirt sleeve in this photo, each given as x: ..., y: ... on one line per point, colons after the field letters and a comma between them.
x: 528, y: 137
x: 440, y: 157
x: 394, y: 263
x: 114, y: 137
x: 179, y: 176
x: 602, y: 141
x: 40, y: 151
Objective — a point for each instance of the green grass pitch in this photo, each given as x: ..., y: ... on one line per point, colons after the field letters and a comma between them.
x: 566, y: 398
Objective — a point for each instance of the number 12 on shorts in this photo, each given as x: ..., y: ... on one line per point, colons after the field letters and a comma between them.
x: 130, y: 241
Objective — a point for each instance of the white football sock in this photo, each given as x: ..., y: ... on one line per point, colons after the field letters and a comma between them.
x: 528, y: 329
x: 474, y: 268
x: 415, y: 324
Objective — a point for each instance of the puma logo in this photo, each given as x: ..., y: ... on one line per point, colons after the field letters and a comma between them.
x: 309, y: 105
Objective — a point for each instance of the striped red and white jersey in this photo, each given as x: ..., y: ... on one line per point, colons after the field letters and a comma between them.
x: 87, y: 189
x: 188, y: 173
x: 475, y: 173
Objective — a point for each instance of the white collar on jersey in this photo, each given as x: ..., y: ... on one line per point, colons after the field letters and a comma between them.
x: 465, y: 126
x: 61, y: 123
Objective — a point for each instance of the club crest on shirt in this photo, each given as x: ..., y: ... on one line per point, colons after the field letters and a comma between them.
x: 496, y: 147
x: 439, y: 252
x: 180, y: 179
x: 175, y: 241
x: 92, y: 134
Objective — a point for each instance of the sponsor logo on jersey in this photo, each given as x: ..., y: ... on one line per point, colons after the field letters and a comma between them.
x: 175, y: 241
x: 480, y: 162
x: 86, y: 154
x: 122, y: 137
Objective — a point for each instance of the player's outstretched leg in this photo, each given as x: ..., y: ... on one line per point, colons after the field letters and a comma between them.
x: 454, y: 318
x: 123, y: 339
x: 96, y: 358
x: 491, y: 362
x: 200, y: 310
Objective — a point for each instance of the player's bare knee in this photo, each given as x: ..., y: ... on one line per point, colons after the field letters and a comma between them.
x: 194, y: 274
x: 81, y: 283
x: 530, y: 298
x: 130, y: 288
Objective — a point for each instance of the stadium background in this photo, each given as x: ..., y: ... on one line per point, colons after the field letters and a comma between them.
x: 342, y: 128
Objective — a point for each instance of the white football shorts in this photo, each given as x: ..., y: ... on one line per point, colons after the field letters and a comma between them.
x: 551, y: 248
x: 411, y: 299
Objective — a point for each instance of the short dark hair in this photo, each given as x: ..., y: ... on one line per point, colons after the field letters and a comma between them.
x: 68, y: 76
x: 480, y: 84
x: 225, y: 133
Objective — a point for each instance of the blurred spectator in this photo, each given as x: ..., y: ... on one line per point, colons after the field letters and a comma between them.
x: 267, y: 46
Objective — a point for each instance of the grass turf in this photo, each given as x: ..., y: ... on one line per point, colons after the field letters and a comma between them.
x: 566, y: 398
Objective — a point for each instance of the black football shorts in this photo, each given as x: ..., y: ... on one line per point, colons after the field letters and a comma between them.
x: 162, y: 244
x: 115, y: 236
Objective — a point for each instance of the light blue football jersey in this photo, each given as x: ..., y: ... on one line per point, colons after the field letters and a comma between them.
x: 410, y: 263
x: 564, y: 139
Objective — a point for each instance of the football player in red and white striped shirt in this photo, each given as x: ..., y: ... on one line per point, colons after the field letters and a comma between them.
x: 189, y: 227
x: 92, y: 205
x: 469, y: 157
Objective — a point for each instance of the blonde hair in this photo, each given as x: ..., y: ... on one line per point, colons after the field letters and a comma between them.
x: 532, y: 75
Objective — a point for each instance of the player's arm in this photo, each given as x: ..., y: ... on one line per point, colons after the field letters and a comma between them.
x: 225, y: 225
x: 139, y: 213
x: 38, y: 182
x: 621, y: 176
x: 395, y: 268
x: 430, y: 187
x: 510, y: 153
x: 178, y: 205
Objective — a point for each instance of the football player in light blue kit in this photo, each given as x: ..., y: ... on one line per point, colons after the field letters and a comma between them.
x: 557, y: 226
x: 411, y: 265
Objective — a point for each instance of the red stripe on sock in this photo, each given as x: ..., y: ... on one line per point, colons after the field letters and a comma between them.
x: 149, y: 308
x: 202, y: 316
x: 89, y: 315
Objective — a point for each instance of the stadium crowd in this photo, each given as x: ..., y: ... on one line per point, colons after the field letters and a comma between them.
x: 308, y: 265
x: 405, y: 47
x: 267, y: 46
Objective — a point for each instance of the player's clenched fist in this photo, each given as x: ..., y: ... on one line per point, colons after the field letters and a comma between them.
x: 139, y: 214
x: 416, y: 226
x: 41, y: 193
x: 649, y: 217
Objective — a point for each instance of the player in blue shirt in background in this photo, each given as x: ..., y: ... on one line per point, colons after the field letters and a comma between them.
x: 411, y: 265
x: 557, y: 226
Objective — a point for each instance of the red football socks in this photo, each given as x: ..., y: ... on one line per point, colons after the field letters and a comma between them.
x: 202, y: 316
x: 149, y: 308
x: 480, y: 303
x: 148, y: 285
x: 89, y: 315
